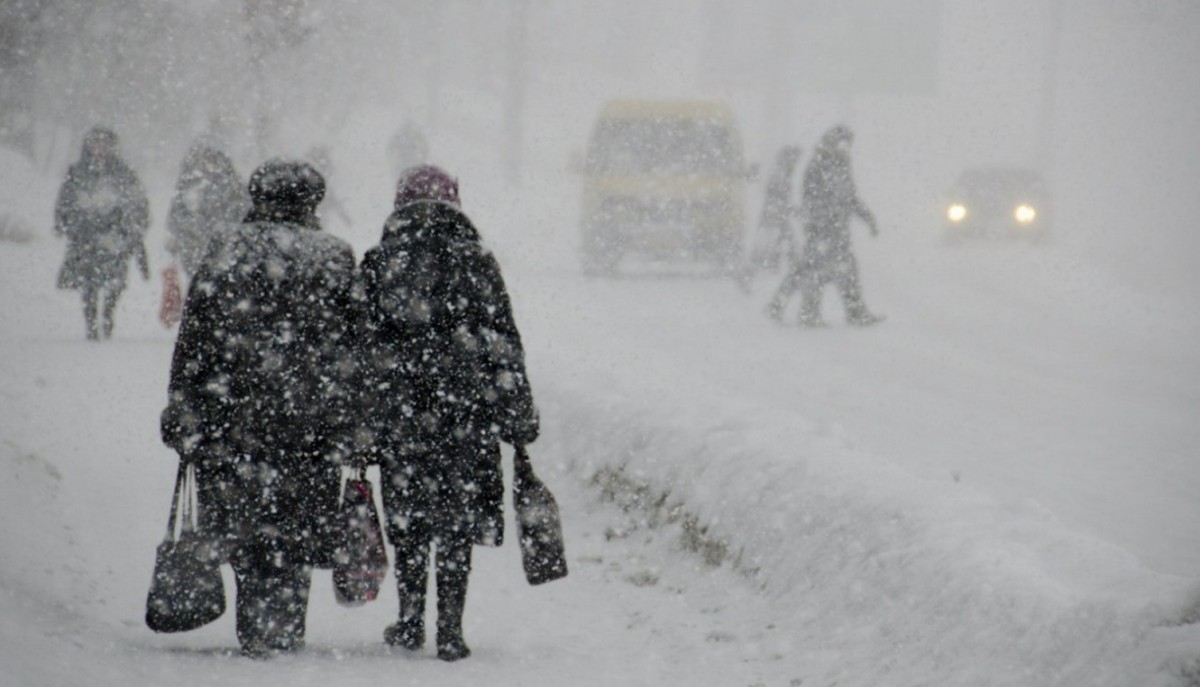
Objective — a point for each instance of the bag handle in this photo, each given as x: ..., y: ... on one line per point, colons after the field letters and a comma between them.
x: 180, y: 475
x: 521, y: 463
x: 188, y: 509
x: 183, y: 503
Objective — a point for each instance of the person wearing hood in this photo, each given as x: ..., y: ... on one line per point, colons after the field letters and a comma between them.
x: 773, y: 240
x: 103, y: 212
x: 261, y: 398
x: 830, y: 199
x: 209, y: 194
x: 448, y: 377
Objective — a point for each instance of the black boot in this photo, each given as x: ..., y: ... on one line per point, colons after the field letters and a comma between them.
x: 272, y: 599
x: 451, y: 647
x: 454, y: 566
x: 408, y: 633
x: 412, y: 562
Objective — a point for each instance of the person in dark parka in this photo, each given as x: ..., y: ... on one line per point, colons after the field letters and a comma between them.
x: 829, y: 200
x: 103, y: 212
x: 774, y: 238
x: 209, y: 194
x: 261, y: 392
x: 448, y: 370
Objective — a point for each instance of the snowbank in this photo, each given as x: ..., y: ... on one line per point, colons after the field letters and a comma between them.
x: 893, y: 574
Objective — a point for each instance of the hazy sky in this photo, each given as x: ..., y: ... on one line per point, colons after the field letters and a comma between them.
x: 969, y: 87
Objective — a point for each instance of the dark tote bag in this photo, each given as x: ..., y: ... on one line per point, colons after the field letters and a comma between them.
x: 539, y: 527
x: 359, y: 557
x: 187, y: 591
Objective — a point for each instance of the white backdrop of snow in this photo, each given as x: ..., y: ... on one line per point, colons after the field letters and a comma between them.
x: 997, y: 486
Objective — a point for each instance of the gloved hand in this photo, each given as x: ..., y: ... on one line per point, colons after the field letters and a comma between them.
x: 170, y: 428
x: 180, y: 432
x: 520, y: 430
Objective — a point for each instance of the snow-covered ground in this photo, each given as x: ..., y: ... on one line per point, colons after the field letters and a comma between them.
x: 997, y: 486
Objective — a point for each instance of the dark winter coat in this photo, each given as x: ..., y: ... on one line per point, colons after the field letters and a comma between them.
x: 830, y: 196
x: 262, y: 381
x: 773, y: 239
x: 447, y: 372
x: 103, y: 212
x: 209, y: 194
x: 777, y: 207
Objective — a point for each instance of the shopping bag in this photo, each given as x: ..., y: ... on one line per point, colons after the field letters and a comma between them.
x: 539, y: 527
x: 187, y: 590
x: 359, y: 558
x: 170, y: 311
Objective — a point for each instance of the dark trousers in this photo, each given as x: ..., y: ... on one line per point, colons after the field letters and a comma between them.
x: 272, y: 596
x: 91, y: 310
x: 453, y: 564
x: 820, y: 265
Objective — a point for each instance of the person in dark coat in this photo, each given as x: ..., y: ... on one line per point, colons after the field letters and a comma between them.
x: 103, y: 212
x: 773, y: 241
x: 261, y: 393
x: 209, y: 194
x: 448, y: 365
x: 829, y: 200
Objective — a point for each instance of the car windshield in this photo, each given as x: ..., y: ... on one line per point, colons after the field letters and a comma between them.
x: 662, y: 146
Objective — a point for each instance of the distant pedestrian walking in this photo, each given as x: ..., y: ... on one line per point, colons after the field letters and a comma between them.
x: 448, y: 372
x: 209, y: 194
x: 774, y: 239
x: 103, y: 212
x: 829, y: 200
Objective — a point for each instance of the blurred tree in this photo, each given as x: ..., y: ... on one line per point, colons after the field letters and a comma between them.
x: 22, y: 36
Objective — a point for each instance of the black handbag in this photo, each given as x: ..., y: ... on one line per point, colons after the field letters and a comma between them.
x: 359, y: 556
x: 539, y: 526
x: 187, y: 590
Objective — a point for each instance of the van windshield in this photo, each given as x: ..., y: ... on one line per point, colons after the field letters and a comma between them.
x: 663, y: 146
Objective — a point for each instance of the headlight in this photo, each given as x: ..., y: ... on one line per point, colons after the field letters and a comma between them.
x: 956, y: 212
x: 1024, y: 214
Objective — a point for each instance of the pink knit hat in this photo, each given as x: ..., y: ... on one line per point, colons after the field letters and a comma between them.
x: 426, y: 182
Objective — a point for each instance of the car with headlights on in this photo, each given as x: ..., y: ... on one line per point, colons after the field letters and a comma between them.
x: 995, y: 201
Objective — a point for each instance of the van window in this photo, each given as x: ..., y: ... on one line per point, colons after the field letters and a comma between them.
x: 662, y: 146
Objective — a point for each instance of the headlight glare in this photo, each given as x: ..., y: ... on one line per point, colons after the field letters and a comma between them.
x: 957, y: 212
x: 1025, y: 213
